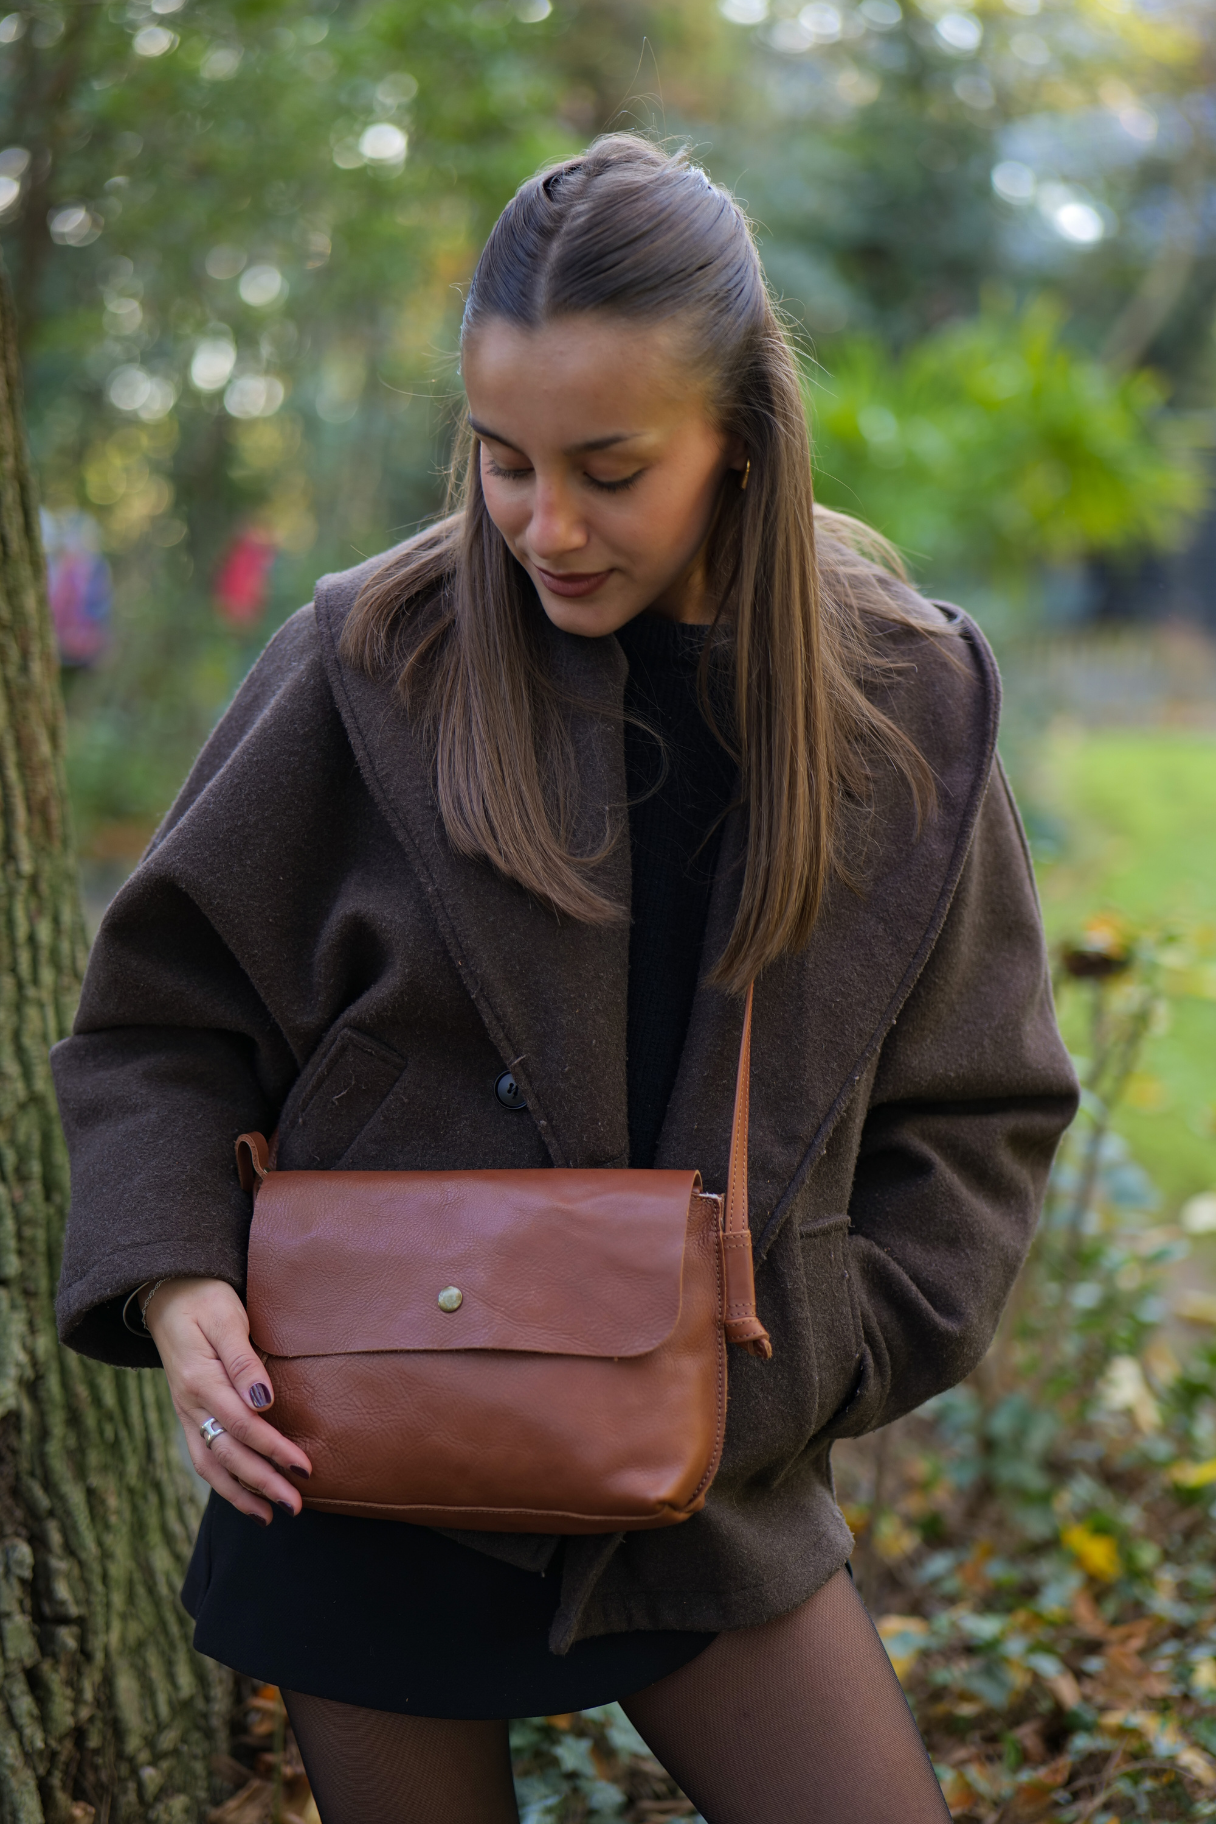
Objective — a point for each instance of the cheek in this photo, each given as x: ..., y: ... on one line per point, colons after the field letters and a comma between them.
x: 678, y: 515
x: 506, y: 503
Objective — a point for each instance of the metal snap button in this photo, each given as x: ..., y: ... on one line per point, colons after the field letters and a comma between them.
x: 508, y: 1091
x: 451, y: 1298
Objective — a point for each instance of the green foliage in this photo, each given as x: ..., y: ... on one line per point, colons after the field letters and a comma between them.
x: 1121, y: 814
x: 870, y: 163
x: 995, y: 446
x: 594, y: 1765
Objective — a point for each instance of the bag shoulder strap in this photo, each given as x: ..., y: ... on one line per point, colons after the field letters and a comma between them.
x: 742, y: 1324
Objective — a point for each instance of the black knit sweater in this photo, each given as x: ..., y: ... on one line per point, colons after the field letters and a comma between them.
x: 679, y: 788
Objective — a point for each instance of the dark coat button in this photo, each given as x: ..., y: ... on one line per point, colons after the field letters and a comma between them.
x: 508, y: 1091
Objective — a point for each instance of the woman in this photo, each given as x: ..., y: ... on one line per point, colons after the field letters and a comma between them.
x: 474, y: 873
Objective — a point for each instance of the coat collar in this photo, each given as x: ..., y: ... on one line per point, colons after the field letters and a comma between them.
x: 552, y: 993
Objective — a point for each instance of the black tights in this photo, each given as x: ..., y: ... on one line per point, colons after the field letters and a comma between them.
x: 798, y: 1721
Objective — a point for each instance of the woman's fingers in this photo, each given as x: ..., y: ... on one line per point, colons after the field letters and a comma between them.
x: 258, y: 1480
x: 249, y: 1449
x: 217, y: 1477
x: 214, y: 1308
x: 229, y: 1337
x: 201, y: 1330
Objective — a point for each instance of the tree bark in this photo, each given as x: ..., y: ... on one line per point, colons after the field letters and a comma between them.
x: 106, y: 1712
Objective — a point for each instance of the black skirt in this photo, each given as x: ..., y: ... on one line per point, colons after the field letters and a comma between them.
x: 395, y: 1617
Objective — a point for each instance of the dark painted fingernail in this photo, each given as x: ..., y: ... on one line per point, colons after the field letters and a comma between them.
x: 260, y: 1395
x: 297, y: 1471
x: 287, y: 1508
x: 261, y: 1520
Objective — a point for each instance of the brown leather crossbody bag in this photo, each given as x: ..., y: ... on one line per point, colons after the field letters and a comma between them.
x: 513, y: 1351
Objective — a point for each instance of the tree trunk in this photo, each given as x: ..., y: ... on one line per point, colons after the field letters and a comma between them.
x: 106, y: 1712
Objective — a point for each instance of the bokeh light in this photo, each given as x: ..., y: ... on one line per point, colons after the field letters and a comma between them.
x: 262, y: 285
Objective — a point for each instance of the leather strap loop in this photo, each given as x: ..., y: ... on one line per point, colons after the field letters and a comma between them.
x: 252, y: 1160
x: 742, y: 1325
x: 736, y: 1187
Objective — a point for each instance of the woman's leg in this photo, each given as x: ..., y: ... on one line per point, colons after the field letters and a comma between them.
x: 376, y: 1767
x: 799, y: 1721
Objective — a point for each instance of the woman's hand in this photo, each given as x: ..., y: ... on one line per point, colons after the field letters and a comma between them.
x: 201, y: 1329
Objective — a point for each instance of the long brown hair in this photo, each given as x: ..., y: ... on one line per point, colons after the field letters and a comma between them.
x: 805, y: 595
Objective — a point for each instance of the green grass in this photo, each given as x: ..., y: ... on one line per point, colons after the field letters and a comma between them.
x: 1127, y: 822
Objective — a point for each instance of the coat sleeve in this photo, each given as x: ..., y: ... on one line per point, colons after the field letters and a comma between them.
x: 173, y: 1051
x: 971, y: 1095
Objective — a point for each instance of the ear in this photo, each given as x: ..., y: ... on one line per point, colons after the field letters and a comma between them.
x: 736, y: 453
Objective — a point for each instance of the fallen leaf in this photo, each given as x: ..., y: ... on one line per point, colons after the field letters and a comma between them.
x: 1194, y: 1475
x: 1131, y: 1722
x: 973, y: 1572
x: 903, y: 1637
x: 1132, y: 1635
x: 1124, y: 1678
x: 1065, y: 1689
x: 893, y: 1537
x: 1199, y: 1765
x: 957, y: 1792
x: 1034, y: 1790
x: 1088, y: 1616
x: 1029, y: 1737
x: 1096, y: 1553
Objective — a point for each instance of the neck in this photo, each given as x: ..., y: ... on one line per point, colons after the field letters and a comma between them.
x: 688, y: 599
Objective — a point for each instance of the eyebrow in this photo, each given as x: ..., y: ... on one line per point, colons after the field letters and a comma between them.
x: 578, y: 449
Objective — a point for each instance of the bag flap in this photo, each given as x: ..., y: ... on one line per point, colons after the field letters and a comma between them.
x: 554, y: 1261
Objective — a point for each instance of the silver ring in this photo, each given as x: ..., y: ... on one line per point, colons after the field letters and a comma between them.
x: 209, y: 1431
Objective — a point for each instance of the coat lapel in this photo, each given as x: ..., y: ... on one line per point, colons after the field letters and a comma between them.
x: 820, y: 1016
x: 552, y: 993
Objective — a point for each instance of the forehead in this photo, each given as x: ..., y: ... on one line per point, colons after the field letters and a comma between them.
x: 579, y: 378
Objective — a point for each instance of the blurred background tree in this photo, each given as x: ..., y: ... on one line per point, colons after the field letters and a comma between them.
x: 102, y: 1695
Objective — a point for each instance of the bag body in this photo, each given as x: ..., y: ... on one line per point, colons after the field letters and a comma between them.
x: 505, y: 1351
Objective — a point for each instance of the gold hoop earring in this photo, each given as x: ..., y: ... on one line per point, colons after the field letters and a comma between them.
x: 746, y: 477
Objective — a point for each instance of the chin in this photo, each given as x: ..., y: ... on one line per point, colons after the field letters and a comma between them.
x: 592, y: 619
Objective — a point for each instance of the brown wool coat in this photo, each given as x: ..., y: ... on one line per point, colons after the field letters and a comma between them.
x: 301, y: 947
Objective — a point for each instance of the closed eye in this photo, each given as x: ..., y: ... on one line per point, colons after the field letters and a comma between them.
x: 616, y: 487
x: 501, y: 473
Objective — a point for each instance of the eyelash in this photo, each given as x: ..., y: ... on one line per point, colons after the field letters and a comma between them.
x: 605, y: 487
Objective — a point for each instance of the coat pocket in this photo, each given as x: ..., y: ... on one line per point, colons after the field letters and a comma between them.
x: 835, y: 1324
x: 338, y: 1098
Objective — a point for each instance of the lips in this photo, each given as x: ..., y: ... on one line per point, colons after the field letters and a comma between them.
x: 574, y: 582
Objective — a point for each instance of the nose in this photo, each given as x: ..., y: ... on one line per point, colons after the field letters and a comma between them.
x: 556, y: 527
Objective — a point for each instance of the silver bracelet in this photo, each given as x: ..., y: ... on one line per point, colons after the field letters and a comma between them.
x: 143, y: 1309
x: 133, y: 1299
